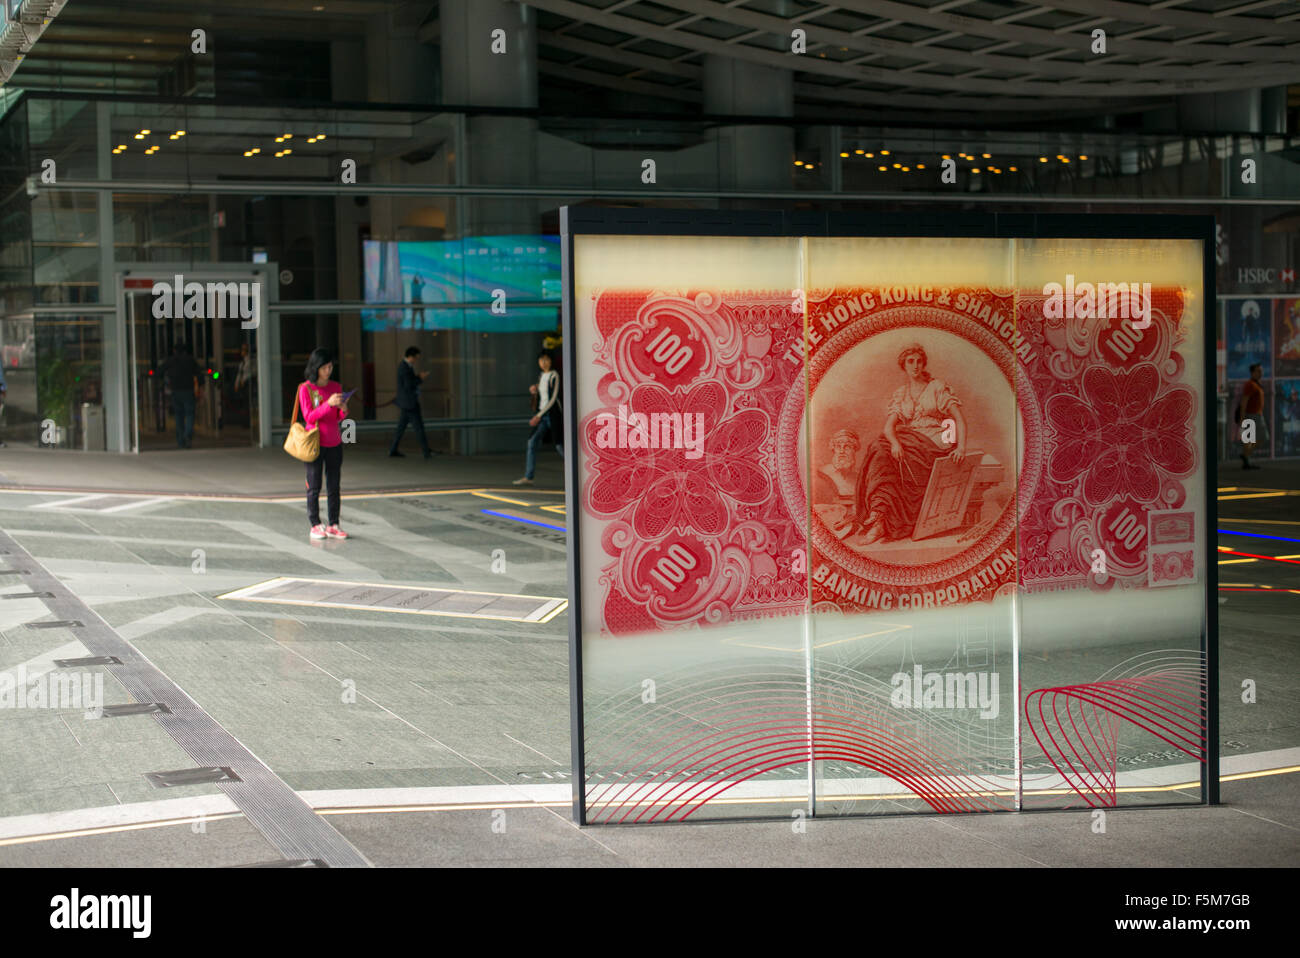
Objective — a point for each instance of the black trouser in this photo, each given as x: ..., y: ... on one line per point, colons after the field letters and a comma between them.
x: 416, y: 419
x: 330, y: 462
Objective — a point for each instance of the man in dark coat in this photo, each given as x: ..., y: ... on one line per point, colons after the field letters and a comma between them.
x: 408, y: 401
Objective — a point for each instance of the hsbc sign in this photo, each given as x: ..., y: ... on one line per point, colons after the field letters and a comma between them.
x: 1260, y: 274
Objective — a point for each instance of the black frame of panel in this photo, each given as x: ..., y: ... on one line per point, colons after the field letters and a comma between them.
x: 628, y: 221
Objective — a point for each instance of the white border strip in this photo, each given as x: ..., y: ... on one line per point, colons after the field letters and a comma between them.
x: 550, y: 606
x: 68, y: 824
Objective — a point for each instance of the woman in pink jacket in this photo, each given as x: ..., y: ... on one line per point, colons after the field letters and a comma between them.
x: 321, y: 402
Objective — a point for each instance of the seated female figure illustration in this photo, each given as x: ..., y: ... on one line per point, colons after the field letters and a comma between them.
x: 896, y: 470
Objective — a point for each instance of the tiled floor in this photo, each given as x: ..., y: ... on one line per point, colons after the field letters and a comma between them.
x: 343, y: 702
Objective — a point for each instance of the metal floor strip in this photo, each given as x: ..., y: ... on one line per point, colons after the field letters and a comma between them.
x: 271, y: 806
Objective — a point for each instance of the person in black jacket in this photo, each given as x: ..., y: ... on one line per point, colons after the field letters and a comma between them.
x: 408, y: 401
x: 181, y: 373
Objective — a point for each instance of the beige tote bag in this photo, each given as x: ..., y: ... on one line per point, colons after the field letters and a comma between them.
x: 302, y: 443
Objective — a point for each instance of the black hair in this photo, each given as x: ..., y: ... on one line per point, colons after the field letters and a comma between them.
x: 1254, y: 366
x: 412, y: 351
x: 319, y: 357
x: 547, y: 354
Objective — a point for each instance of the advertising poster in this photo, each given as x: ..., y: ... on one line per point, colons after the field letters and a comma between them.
x: 1286, y: 337
x: 1249, y: 336
x: 1286, y: 418
x: 884, y: 524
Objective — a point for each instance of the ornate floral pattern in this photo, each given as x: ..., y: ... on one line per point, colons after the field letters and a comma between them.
x: 1119, y: 435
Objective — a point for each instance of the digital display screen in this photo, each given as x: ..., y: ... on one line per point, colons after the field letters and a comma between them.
x: 493, y: 273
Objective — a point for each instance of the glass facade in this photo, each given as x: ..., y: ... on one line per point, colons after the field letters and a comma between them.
x: 334, y: 197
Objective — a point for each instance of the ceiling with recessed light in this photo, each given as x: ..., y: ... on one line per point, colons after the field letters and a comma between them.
x: 999, y: 59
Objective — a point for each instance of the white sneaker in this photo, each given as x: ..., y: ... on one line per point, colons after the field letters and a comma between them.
x: 318, y: 532
x: 523, y: 482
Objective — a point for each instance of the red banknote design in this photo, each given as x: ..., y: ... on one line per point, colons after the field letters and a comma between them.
x: 681, y: 458
x: 912, y: 447
x: 1108, y: 501
x: 925, y: 446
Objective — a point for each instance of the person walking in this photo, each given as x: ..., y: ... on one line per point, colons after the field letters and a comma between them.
x: 1251, y: 409
x: 408, y: 401
x: 244, y: 382
x: 417, y: 297
x: 547, y: 422
x: 323, y: 408
x: 181, y: 374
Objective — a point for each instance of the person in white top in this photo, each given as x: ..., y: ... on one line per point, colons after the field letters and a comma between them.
x: 547, y: 422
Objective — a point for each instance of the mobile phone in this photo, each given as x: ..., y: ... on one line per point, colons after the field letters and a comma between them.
x: 349, y: 395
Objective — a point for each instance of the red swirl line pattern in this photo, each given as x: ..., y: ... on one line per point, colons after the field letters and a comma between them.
x: 729, y: 742
x: 1077, y: 726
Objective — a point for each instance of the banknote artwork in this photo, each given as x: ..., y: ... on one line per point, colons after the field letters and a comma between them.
x: 1121, y: 439
x: 680, y: 458
x: 833, y: 537
x: 913, y: 445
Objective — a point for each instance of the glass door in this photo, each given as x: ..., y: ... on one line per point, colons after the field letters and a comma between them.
x: 173, y: 357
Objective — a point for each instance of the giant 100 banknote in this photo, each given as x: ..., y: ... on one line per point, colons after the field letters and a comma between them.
x: 883, y: 449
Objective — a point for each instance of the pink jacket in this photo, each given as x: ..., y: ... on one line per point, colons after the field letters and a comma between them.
x: 312, y: 400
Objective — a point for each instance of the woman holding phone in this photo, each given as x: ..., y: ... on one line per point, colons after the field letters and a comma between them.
x: 323, y: 407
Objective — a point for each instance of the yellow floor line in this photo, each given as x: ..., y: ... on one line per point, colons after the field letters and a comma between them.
x: 488, y: 495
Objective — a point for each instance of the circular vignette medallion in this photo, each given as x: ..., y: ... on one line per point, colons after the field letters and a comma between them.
x: 1032, y: 459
